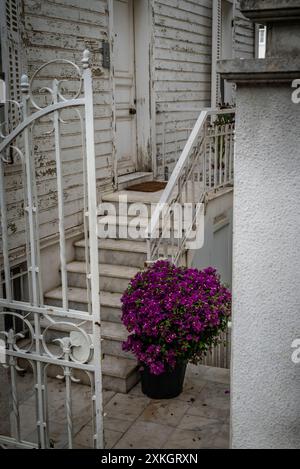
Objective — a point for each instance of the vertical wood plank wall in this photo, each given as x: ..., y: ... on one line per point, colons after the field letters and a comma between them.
x: 63, y: 29
x: 53, y: 29
x: 183, y: 60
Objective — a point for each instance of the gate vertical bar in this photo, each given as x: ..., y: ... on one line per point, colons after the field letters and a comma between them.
x: 93, y: 242
x: 113, y: 91
x: 14, y: 391
x: 33, y: 268
x: 60, y: 196
x: 3, y: 220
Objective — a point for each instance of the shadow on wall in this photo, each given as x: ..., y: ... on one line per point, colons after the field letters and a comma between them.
x: 217, y: 248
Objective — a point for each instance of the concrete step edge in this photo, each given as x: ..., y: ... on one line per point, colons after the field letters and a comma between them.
x: 106, y: 298
x: 109, y: 330
x: 105, y: 270
x: 117, y: 245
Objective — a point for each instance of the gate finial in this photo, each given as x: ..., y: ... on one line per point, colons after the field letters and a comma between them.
x: 86, y: 58
x: 24, y: 84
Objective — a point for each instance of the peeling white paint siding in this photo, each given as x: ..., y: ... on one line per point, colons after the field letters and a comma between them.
x: 63, y: 29
x: 180, y: 70
x: 182, y: 39
x: 244, y: 36
x: 183, y: 63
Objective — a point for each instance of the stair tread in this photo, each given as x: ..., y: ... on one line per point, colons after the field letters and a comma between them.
x: 113, y: 330
x: 117, y: 245
x: 143, y: 223
x: 122, y: 245
x: 109, y: 330
x: 132, y: 176
x: 109, y: 270
x: 134, y: 196
x: 79, y: 295
x: 118, y: 367
x: 121, y: 220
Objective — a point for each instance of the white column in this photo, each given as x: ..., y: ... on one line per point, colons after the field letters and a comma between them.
x: 265, y: 383
x: 266, y: 270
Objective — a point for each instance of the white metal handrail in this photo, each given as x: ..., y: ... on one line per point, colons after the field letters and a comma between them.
x: 205, y: 164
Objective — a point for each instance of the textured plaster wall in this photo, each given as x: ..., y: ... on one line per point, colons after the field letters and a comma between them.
x: 266, y: 270
x: 217, y: 248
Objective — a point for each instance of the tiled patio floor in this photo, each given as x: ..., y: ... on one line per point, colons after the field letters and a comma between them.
x: 198, y: 418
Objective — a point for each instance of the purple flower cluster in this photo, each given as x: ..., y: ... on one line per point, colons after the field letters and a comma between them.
x: 173, y: 314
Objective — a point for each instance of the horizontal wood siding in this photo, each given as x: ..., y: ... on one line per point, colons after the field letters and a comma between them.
x: 182, y: 75
x: 62, y: 29
x: 244, y: 35
x: 182, y: 62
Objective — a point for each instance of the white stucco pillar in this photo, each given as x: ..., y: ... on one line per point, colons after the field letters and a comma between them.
x: 265, y: 383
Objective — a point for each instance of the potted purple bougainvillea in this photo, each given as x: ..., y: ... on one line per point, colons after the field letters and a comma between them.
x: 174, y: 315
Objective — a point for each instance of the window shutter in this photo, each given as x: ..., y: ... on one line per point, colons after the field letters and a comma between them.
x: 11, y: 54
x: 216, y: 52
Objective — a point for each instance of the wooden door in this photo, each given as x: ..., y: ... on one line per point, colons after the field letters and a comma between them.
x: 124, y: 62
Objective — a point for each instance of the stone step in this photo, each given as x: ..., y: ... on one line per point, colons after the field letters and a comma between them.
x: 119, y: 228
x: 117, y: 252
x: 147, y: 200
x: 78, y: 300
x: 133, y: 178
x: 127, y: 228
x: 118, y: 374
x: 121, y: 252
x: 113, y: 278
x: 112, y: 334
x: 133, y: 197
x: 150, y: 199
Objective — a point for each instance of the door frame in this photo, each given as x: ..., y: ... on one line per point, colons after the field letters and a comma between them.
x: 144, y: 79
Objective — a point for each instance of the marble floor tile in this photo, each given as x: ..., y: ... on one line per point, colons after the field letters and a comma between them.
x: 126, y: 406
x: 168, y: 412
x: 143, y: 435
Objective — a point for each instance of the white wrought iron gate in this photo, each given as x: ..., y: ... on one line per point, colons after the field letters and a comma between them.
x: 26, y: 341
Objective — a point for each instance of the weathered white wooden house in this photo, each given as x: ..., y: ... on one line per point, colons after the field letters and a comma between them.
x: 153, y: 65
x: 153, y: 69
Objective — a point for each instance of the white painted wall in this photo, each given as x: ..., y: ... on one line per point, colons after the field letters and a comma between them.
x: 182, y: 61
x: 179, y: 59
x: 266, y: 270
x: 62, y: 29
x: 244, y: 35
x: 183, y: 67
x: 217, y: 247
x: 217, y: 252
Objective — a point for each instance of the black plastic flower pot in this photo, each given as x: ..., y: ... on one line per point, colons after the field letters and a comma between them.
x: 164, y: 386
